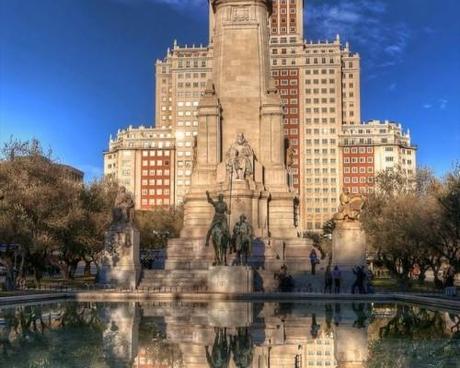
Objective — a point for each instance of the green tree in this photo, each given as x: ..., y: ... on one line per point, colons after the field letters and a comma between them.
x: 55, y: 220
x: 97, y: 202
x: 323, y: 241
x: 158, y: 225
x: 32, y: 200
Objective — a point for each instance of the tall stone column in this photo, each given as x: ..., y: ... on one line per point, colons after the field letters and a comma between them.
x: 281, y: 206
x: 209, y: 150
x: 207, y: 155
x: 241, y: 66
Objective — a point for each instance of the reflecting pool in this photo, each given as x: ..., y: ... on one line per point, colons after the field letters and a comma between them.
x: 228, y: 334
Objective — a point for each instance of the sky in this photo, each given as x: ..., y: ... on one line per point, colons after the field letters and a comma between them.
x: 74, y: 71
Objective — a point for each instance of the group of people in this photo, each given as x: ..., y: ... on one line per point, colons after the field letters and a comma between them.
x: 285, y: 280
x: 362, y: 283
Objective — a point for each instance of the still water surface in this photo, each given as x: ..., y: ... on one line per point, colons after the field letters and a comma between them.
x: 227, y: 334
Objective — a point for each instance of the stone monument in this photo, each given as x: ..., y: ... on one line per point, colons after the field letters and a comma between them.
x: 240, y: 154
x: 221, y: 278
x: 348, y: 238
x: 121, y: 264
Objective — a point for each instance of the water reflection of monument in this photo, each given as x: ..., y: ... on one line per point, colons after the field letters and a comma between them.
x: 191, y: 335
x: 120, y: 334
x: 263, y: 336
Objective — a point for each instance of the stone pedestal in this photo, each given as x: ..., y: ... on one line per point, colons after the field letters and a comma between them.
x: 348, y: 250
x: 121, y: 265
x: 226, y: 279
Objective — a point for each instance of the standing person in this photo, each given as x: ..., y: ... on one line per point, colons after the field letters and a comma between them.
x: 328, y: 280
x: 450, y: 282
x: 285, y: 280
x: 369, y: 278
x: 314, y: 261
x: 359, y: 282
x: 452, y: 274
x: 337, y: 276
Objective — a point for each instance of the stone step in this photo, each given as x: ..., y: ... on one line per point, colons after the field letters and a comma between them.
x: 166, y: 277
x: 174, y: 279
x: 173, y: 273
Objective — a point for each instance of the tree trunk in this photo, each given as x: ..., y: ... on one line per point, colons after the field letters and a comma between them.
x: 437, y: 282
x: 87, y: 268
x: 422, y: 277
x: 404, y: 283
x: 73, y: 269
x: 10, y: 282
x: 98, y: 272
x: 62, y: 266
x: 11, y: 274
x: 65, y: 271
x: 37, y: 277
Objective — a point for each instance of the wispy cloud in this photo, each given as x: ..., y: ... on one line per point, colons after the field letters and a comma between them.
x: 440, y: 103
x: 443, y: 103
x: 429, y: 31
x: 176, y: 4
x: 181, y: 3
x: 392, y: 87
x: 363, y: 23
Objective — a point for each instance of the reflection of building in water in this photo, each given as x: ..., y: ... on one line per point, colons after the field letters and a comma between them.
x: 282, y: 335
x: 320, y: 352
x: 149, y: 359
x: 351, y: 347
x: 177, y: 335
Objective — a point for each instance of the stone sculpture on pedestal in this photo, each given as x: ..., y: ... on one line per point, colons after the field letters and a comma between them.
x: 243, y: 235
x: 348, y: 238
x: 350, y: 207
x: 239, y: 159
x: 222, y: 278
x: 219, y: 230
x: 121, y: 264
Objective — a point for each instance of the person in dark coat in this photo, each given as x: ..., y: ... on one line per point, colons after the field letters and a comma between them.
x: 314, y: 261
x: 328, y: 280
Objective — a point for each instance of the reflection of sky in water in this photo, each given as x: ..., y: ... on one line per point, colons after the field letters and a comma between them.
x: 233, y: 335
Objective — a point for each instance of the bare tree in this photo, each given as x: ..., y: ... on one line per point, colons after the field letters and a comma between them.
x: 399, y: 223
